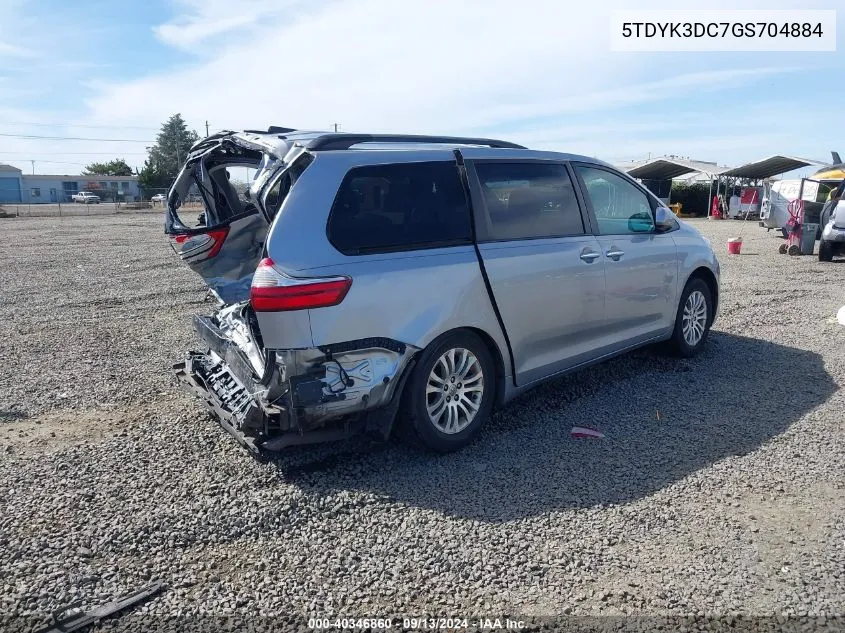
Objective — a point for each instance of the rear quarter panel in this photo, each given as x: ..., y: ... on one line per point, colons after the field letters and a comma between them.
x: 412, y: 297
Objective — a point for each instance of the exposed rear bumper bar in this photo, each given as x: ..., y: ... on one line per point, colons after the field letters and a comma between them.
x: 234, y: 408
x: 186, y: 372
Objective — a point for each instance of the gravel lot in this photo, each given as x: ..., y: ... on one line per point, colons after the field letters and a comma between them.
x: 732, y: 502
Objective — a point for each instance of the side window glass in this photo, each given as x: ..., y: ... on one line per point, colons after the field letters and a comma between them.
x: 619, y: 206
x: 529, y: 200
x: 408, y: 206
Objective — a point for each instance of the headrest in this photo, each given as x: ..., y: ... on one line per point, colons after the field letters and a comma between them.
x: 526, y: 201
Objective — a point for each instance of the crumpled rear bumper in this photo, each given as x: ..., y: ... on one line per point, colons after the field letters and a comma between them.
x: 303, y: 396
x: 224, y: 397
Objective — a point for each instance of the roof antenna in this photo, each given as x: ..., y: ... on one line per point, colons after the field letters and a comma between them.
x: 836, y: 159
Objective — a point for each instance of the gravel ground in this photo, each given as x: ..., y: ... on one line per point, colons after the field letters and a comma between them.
x: 730, y: 501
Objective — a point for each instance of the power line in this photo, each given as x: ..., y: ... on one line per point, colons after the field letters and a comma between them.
x: 82, y: 125
x: 80, y: 153
x: 57, y: 162
x: 75, y: 138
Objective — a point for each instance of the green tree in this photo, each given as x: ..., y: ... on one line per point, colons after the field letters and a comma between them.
x: 116, y: 167
x: 165, y: 158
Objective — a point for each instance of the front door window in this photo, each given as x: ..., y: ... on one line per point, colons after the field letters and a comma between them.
x: 619, y: 206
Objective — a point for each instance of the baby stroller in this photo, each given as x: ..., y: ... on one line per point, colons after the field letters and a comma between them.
x: 792, y: 230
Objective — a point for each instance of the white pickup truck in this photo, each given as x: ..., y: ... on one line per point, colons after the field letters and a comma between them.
x: 86, y: 197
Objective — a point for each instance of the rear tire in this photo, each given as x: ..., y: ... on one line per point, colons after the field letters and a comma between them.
x: 450, y: 394
x: 693, y: 320
x: 825, y: 252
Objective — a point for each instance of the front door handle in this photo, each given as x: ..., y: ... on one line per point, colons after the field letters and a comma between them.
x: 615, y: 255
x: 589, y: 256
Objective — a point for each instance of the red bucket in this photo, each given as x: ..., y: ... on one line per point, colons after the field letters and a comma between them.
x: 735, y: 245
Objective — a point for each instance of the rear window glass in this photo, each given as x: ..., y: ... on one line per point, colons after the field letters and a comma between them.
x: 382, y: 208
x: 279, y: 190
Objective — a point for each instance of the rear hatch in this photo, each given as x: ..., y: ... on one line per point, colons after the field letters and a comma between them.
x: 221, y: 204
x: 219, y: 211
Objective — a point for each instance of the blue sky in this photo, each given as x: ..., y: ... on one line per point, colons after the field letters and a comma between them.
x: 538, y: 72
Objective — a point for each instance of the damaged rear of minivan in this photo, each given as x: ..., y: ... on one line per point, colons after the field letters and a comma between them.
x: 347, y: 265
x: 262, y: 375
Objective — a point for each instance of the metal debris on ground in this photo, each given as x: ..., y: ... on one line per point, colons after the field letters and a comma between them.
x: 68, y: 619
x: 586, y: 431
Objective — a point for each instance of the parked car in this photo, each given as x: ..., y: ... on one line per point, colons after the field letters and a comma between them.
x: 832, y: 239
x: 159, y: 197
x: 86, y: 197
x: 368, y: 280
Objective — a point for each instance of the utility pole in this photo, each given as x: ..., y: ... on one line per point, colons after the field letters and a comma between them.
x: 336, y: 126
x: 33, y: 167
x: 206, y: 129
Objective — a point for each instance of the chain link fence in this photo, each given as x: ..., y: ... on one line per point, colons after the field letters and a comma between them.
x: 62, y: 205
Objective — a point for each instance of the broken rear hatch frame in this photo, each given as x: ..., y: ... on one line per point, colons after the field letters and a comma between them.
x: 268, y: 399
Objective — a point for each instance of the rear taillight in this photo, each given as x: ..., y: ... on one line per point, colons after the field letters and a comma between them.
x: 202, y: 245
x: 274, y: 291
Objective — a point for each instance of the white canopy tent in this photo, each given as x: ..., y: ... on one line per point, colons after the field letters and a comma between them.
x: 760, y: 172
x: 671, y: 167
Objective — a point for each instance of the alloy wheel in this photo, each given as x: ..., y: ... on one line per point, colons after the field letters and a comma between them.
x: 454, y: 390
x: 694, y: 321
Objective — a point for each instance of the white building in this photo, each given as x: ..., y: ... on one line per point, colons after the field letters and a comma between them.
x: 17, y: 187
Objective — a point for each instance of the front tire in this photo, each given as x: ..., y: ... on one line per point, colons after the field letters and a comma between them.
x: 825, y: 251
x: 693, y: 320
x: 450, y: 394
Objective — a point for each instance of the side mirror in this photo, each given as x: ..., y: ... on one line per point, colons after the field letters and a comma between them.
x: 641, y: 223
x: 664, y: 220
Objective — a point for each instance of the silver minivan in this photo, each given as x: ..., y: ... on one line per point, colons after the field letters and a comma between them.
x: 368, y: 282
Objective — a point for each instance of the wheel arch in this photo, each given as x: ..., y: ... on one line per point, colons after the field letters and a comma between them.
x: 708, y: 277
x: 495, y: 353
x: 498, y: 363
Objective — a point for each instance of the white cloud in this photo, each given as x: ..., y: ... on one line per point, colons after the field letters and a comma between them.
x: 18, y: 52
x: 728, y: 133
x: 536, y: 71
x: 381, y: 64
x: 199, y: 20
x: 629, y: 93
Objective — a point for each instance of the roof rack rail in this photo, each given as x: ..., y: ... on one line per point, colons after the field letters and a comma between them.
x: 346, y: 141
x: 273, y: 129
